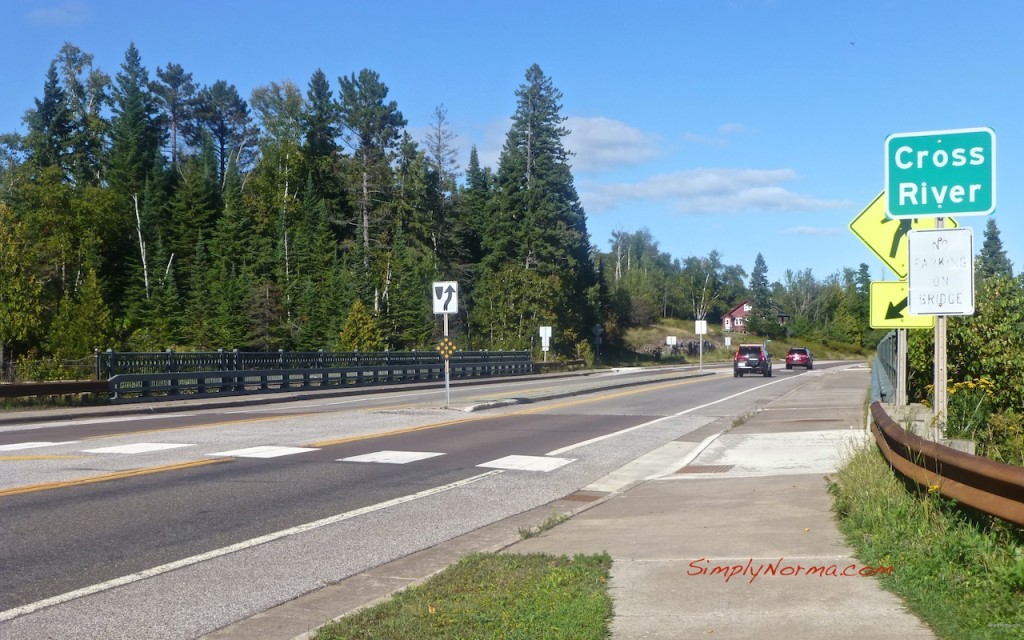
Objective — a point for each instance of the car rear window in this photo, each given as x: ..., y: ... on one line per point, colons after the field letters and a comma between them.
x: 746, y: 351
x: 798, y: 351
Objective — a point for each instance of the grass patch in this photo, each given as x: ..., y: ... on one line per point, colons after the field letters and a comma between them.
x: 493, y: 597
x: 959, y: 571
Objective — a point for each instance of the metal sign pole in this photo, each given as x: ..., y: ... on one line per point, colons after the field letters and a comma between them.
x: 941, y: 395
x: 447, y: 369
x: 901, y: 367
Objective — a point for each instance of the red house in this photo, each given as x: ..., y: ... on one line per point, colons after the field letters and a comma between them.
x: 736, y: 319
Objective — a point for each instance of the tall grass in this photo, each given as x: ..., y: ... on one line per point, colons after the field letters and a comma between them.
x: 959, y: 571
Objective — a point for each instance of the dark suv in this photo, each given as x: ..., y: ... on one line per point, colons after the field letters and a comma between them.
x: 752, y: 358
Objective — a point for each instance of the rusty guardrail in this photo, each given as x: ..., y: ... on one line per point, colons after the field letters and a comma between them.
x: 989, y: 486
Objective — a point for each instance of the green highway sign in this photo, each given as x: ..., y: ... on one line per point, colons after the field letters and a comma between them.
x: 940, y: 173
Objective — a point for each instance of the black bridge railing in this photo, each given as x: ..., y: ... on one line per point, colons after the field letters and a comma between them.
x: 170, y: 375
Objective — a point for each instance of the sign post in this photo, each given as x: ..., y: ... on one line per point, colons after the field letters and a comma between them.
x: 545, y: 341
x: 936, y: 174
x: 446, y: 303
x: 701, y: 329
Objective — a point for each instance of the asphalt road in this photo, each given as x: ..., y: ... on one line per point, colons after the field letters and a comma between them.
x: 161, y: 525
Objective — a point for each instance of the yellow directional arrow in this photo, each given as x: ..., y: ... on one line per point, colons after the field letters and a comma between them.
x: 888, y: 308
x: 886, y: 237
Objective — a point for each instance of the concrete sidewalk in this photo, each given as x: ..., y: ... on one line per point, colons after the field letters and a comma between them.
x: 739, y: 542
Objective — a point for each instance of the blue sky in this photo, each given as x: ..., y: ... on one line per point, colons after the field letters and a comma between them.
x: 741, y: 126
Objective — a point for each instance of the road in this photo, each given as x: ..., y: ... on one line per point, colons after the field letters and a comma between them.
x: 173, y: 525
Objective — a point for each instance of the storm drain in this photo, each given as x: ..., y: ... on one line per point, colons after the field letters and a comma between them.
x: 706, y: 468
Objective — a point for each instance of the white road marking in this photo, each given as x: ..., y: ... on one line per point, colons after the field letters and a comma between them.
x: 261, y: 452
x: 139, y: 447
x: 527, y: 463
x: 72, y: 422
x: 240, y: 546
x: 392, y: 457
x: 558, y: 452
x: 33, y: 445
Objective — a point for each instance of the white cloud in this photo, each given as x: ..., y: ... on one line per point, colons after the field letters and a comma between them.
x: 61, y: 15
x: 710, y: 191
x: 602, y: 144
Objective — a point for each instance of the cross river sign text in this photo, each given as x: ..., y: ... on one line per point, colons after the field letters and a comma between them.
x: 941, y: 279
x: 941, y: 173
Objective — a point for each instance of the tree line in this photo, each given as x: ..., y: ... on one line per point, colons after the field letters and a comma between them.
x: 146, y: 211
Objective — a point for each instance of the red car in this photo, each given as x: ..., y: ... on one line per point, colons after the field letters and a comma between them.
x: 799, y: 357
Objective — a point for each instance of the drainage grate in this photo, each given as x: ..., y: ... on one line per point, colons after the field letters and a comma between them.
x: 706, y: 468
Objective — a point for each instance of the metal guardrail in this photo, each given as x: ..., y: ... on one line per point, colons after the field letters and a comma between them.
x: 133, y: 387
x: 110, y: 363
x: 883, y: 374
x: 989, y: 486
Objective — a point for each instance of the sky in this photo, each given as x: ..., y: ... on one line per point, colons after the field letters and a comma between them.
x: 736, y: 126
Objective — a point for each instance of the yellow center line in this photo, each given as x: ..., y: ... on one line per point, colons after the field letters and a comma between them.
x: 119, y: 475
x: 547, y: 407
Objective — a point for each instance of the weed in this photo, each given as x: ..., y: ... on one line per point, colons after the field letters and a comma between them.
x: 531, y: 532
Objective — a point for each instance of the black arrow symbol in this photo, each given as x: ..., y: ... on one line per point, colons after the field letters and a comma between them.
x: 905, y: 224
x: 451, y: 292
x: 896, y: 311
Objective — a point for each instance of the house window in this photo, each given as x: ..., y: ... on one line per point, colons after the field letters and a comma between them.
x: 739, y: 322
x: 747, y: 308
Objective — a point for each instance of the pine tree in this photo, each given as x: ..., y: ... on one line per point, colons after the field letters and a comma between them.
x: 763, y: 320
x: 83, y: 322
x: 176, y: 95
x: 537, y: 219
x: 320, y: 151
x: 361, y: 332
x: 136, y: 136
x: 49, y: 126
x: 224, y: 115
x: 373, y: 130
x: 992, y: 260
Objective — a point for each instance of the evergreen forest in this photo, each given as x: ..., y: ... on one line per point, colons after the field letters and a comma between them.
x: 144, y: 211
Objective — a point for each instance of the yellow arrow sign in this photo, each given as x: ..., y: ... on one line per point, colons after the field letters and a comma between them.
x: 888, y: 307
x: 887, y: 238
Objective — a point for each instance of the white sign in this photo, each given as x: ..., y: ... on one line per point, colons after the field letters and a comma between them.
x: 446, y: 297
x: 671, y: 341
x: 702, y: 327
x: 728, y: 341
x: 941, y: 273
x: 545, y: 332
